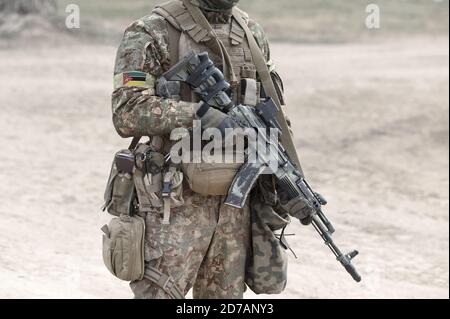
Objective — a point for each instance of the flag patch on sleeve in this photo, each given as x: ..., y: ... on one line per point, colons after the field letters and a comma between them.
x: 134, y: 79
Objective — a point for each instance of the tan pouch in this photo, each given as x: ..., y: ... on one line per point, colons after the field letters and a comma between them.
x: 123, y: 247
x: 120, y: 192
x: 210, y: 178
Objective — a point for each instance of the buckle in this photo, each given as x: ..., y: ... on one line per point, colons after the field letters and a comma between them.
x: 167, y: 189
x: 168, y: 282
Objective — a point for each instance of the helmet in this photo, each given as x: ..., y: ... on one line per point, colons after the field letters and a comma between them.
x: 217, y: 5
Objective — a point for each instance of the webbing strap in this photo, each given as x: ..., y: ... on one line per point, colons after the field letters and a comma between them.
x: 167, y: 283
x: 174, y: 40
x: 134, y: 142
x: 166, y: 211
x: 269, y: 87
x: 168, y: 176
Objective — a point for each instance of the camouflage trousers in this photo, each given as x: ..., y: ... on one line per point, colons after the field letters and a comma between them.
x: 205, y: 246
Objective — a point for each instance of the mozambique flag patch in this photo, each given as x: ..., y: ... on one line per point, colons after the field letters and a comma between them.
x: 134, y: 79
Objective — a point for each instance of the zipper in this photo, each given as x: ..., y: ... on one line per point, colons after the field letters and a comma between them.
x: 132, y: 245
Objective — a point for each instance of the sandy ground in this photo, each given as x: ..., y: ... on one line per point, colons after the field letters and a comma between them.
x: 371, y: 125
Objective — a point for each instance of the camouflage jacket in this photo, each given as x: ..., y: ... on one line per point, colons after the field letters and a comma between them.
x: 137, y: 110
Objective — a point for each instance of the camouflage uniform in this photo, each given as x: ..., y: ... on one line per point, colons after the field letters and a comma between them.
x: 206, y: 244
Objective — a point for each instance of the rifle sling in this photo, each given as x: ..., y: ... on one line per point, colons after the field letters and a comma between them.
x: 269, y: 87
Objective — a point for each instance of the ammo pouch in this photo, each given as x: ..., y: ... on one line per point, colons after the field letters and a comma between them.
x: 139, y: 181
x: 210, y: 178
x: 266, y: 272
x: 123, y: 247
x: 120, y: 193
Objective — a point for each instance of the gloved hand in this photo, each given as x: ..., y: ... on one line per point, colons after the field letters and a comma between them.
x: 212, y: 117
x: 209, y: 83
x: 299, y: 208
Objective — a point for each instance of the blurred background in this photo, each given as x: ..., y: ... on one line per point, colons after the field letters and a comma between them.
x: 368, y: 101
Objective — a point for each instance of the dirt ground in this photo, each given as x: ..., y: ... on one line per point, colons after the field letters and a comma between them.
x: 371, y: 126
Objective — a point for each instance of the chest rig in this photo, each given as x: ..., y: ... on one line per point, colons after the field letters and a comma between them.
x: 233, y: 55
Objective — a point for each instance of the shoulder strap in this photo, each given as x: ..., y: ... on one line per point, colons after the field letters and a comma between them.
x: 174, y: 41
x: 269, y: 87
x: 134, y: 142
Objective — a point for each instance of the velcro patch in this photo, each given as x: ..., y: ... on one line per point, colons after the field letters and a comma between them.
x: 134, y: 79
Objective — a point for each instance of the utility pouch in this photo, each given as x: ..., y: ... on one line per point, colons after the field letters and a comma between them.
x: 250, y: 89
x: 249, y: 92
x: 119, y: 194
x: 266, y: 271
x: 210, y: 178
x: 156, y: 185
x: 148, y: 177
x: 123, y: 247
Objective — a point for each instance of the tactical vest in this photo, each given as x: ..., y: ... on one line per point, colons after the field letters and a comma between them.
x: 232, y: 47
x: 186, y: 36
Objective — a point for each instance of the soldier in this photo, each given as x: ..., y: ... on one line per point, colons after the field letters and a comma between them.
x: 206, y: 245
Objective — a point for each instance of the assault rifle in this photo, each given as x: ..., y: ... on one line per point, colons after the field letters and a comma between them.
x: 199, y: 72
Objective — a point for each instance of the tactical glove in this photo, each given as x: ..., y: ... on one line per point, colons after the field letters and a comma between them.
x: 299, y: 208
x: 211, y: 117
x: 208, y: 82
